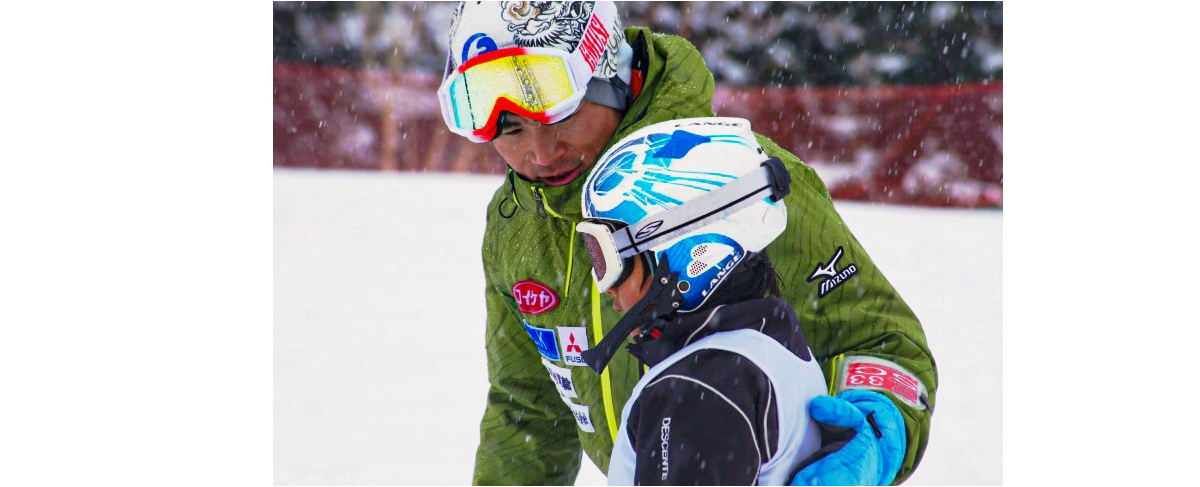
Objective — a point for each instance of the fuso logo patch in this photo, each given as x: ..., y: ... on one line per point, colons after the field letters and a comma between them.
x: 544, y: 340
x: 534, y: 297
x: 860, y: 372
x: 573, y: 341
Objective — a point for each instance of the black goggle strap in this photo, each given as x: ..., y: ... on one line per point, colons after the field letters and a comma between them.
x: 662, y: 299
x: 771, y: 179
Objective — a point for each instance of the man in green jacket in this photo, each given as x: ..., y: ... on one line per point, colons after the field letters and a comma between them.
x: 552, y: 85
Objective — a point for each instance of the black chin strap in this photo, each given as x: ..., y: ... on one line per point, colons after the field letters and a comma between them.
x: 662, y: 299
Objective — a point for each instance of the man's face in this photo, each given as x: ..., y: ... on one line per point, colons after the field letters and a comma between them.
x: 556, y: 154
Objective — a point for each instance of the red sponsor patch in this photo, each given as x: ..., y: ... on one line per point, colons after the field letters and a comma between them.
x: 534, y: 297
x: 878, y: 376
x: 595, y: 39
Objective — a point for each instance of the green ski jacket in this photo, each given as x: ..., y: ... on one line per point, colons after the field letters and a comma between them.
x: 544, y: 405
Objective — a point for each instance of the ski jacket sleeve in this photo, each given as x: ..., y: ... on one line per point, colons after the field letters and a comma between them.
x: 849, y: 311
x: 527, y: 435
x: 704, y: 425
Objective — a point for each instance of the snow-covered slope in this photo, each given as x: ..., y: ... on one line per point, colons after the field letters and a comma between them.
x: 379, y: 358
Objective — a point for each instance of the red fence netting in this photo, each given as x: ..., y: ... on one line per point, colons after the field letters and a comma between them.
x: 929, y: 145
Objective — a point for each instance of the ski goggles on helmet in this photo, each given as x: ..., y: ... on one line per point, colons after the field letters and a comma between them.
x: 544, y: 85
x: 612, y: 249
x: 609, y: 267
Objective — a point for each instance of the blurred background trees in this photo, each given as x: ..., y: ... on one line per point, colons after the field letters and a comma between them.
x: 898, y: 102
x: 744, y: 43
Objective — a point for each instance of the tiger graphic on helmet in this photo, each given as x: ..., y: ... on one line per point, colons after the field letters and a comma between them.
x: 547, y: 24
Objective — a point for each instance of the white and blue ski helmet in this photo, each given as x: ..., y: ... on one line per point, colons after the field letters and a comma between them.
x: 669, y: 164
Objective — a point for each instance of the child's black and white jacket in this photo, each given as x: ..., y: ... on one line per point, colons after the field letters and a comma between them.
x: 725, y: 400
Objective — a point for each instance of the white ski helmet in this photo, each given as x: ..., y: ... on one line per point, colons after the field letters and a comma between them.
x: 481, y: 27
x: 534, y: 59
x: 699, y: 193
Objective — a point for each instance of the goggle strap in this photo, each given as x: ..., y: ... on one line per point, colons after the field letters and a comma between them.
x: 660, y: 228
x: 661, y: 299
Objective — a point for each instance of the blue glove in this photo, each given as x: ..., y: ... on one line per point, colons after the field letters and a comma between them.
x: 863, y: 440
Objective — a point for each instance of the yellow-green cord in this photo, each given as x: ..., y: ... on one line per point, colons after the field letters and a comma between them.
x: 605, y: 379
x: 547, y: 206
x: 570, y: 258
x: 833, y: 374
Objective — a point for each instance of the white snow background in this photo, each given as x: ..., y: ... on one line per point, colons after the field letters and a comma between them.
x: 379, y: 366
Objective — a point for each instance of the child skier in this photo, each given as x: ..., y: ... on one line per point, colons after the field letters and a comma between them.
x: 677, y: 216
